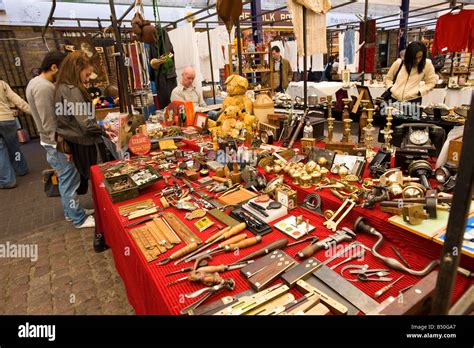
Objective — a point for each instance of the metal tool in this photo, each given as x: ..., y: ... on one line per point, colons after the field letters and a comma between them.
x: 361, y: 226
x: 258, y: 208
x: 202, y: 263
x: 228, y: 284
x: 359, y: 254
x: 343, y: 235
x: 230, y: 190
x: 224, y: 234
x: 386, y: 288
x: 346, y: 289
x: 400, y: 256
x: 181, y: 229
x: 348, y: 204
x: 136, y: 223
x: 231, y: 247
x: 312, y: 240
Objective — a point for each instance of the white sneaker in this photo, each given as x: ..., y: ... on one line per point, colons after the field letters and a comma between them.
x: 88, y: 223
x: 87, y: 211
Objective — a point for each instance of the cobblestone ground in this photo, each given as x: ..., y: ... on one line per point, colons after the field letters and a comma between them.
x: 68, y: 277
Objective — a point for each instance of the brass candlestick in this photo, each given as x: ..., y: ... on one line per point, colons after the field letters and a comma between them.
x: 368, y: 133
x: 346, y: 116
x: 387, y: 132
x: 347, y: 130
x: 330, y: 119
x: 363, y: 120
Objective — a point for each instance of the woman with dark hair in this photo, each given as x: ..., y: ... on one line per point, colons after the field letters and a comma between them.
x: 76, y: 122
x: 413, y: 77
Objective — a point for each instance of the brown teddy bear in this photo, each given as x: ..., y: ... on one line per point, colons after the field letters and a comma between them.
x: 236, y: 88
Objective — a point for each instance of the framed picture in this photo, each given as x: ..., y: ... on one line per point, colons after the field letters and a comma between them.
x: 200, y: 120
x: 453, y: 81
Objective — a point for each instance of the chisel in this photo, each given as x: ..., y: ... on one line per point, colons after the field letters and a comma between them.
x: 224, y: 234
x: 278, y: 244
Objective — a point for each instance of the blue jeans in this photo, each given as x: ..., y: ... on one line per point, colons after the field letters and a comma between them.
x: 7, y: 174
x: 69, y: 181
x: 8, y: 131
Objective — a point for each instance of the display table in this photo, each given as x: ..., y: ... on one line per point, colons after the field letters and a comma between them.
x: 321, y: 89
x: 145, y: 283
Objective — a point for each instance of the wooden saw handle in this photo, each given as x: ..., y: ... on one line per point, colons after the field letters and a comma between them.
x: 245, y: 243
x: 233, y: 240
x: 184, y: 251
x: 234, y: 230
x: 212, y: 269
x: 308, y: 251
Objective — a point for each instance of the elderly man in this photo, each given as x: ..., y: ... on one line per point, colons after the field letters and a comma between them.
x: 185, y: 91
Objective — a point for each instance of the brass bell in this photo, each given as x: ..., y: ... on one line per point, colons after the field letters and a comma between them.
x: 343, y: 171
x: 310, y: 166
x: 324, y: 171
x: 268, y: 169
x: 305, y: 180
x: 322, y: 161
x: 296, y: 177
x: 315, y: 177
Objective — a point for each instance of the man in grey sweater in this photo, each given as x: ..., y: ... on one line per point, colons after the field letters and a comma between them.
x: 40, y: 96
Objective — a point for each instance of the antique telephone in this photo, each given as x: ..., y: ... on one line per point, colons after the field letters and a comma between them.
x: 417, y: 141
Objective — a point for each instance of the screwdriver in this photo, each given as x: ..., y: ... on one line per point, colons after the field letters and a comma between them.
x: 231, y: 247
x: 233, y: 240
x: 386, y: 288
x: 221, y: 235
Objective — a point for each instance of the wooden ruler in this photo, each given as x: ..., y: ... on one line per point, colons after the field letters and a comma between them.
x: 127, y: 209
x: 164, y: 231
x: 150, y: 247
x: 181, y: 229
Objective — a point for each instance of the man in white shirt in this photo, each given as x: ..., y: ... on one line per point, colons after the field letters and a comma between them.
x: 185, y: 91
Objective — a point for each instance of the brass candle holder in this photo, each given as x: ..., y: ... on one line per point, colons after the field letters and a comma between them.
x: 368, y: 134
x: 344, y: 145
x: 363, y: 120
x: 347, y: 130
x: 387, y: 132
x: 330, y: 120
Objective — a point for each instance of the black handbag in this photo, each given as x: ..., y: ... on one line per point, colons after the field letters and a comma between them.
x: 387, y: 95
x: 50, y: 181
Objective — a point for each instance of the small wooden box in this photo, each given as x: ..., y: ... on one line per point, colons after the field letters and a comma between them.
x: 307, y: 144
x: 454, y: 151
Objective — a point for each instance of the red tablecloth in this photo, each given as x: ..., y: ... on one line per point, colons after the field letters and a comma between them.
x: 145, y: 283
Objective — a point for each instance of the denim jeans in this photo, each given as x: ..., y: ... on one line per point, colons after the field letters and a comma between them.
x: 7, y: 174
x: 8, y: 131
x: 69, y: 181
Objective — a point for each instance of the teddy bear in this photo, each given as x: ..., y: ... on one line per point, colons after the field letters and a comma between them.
x: 236, y: 87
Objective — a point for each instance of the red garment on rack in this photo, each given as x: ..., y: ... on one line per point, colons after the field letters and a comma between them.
x: 454, y: 32
x: 369, y: 59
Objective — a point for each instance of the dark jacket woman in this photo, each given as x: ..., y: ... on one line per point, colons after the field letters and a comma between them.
x: 75, y: 115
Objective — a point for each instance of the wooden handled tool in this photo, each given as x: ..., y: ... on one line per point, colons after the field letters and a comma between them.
x: 179, y: 253
x: 278, y: 244
x: 224, y: 234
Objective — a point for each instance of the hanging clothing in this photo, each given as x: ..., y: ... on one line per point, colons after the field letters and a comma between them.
x: 316, y: 24
x: 349, y: 46
x: 186, y: 52
x: 344, y: 56
x: 454, y: 32
x: 219, y: 41
x: 314, y: 62
x: 291, y: 54
x: 371, y: 31
x: 165, y: 80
